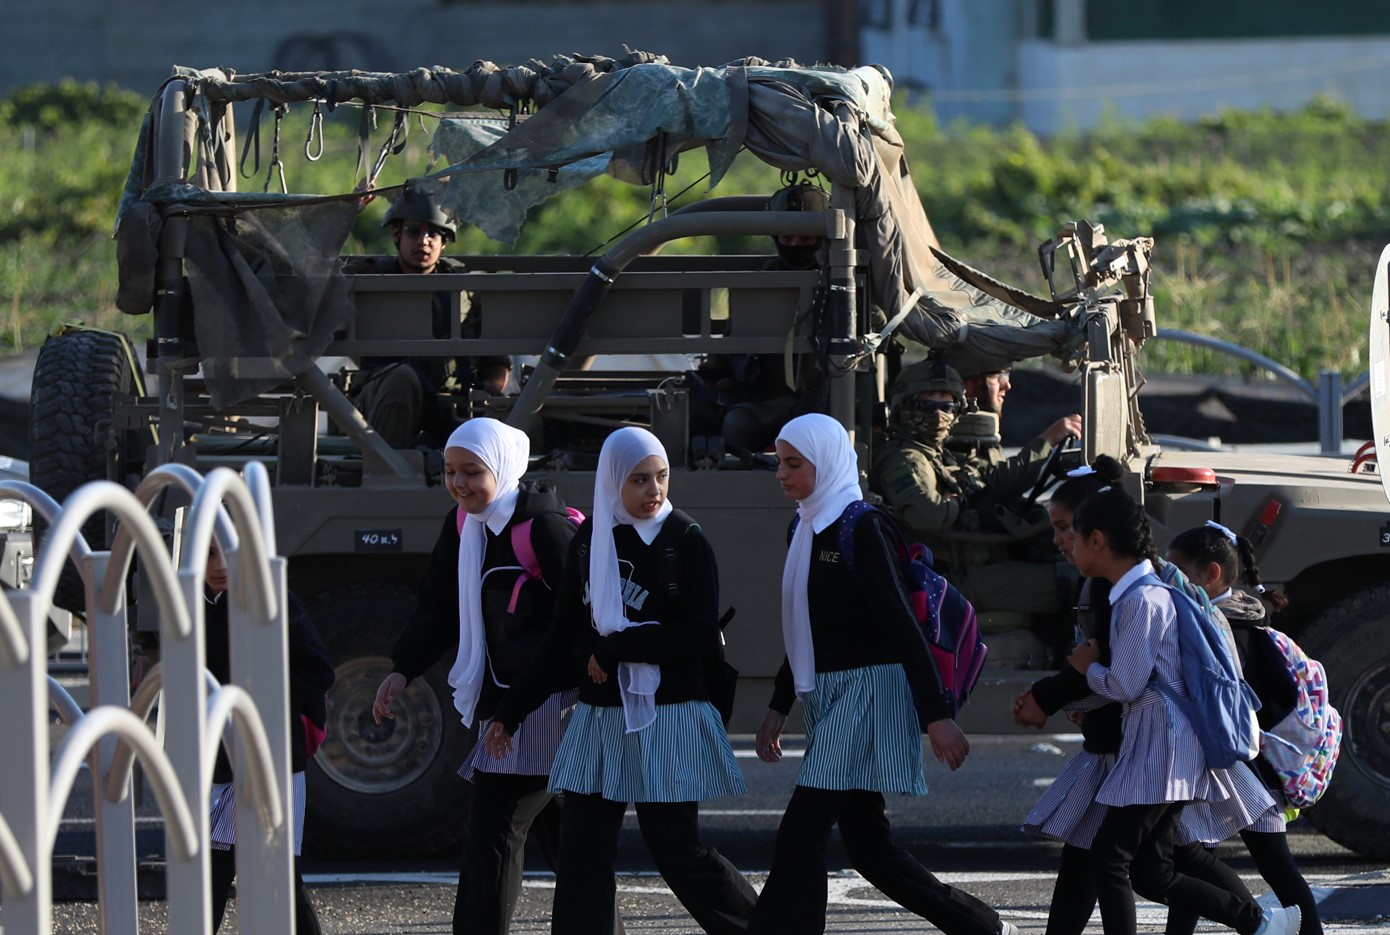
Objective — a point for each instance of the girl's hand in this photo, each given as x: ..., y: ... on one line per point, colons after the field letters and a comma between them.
x: 596, y: 671
x: 497, y: 742
x: 948, y: 742
x: 1083, y: 655
x: 769, y: 739
x: 386, y: 692
x: 1028, y: 713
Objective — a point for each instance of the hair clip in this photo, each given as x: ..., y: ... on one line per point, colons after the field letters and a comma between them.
x: 1223, y: 530
x: 1082, y: 471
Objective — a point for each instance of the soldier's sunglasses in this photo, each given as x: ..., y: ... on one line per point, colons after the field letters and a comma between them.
x: 931, y: 405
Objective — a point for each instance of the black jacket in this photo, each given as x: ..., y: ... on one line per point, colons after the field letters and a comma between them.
x: 512, y: 637
x: 311, y: 674
x: 674, y: 581
x: 1100, y: 727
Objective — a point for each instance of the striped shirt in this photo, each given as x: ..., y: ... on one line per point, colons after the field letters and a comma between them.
x: 1160, y: 759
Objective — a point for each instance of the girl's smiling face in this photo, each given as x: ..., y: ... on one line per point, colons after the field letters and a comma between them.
x: 469, y: 481
x: 1062, y: 536
x: 644, y: 490
x: 796, y: 475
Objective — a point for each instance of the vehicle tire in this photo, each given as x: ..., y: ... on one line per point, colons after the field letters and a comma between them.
x: 388, y: 789
x: 76, y: 379
x: 1352, y: 641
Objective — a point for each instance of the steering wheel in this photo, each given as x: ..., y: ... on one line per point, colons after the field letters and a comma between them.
x: 1048, y: 473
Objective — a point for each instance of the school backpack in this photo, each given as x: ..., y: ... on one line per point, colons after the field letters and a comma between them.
x: 525, y: 553
x: 946, y: 618
x: 1304, y: 746
x: 1219, y: 705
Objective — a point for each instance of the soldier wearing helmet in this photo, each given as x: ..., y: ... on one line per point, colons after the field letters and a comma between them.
x: 937, y: 494
x: 747, y: 398
x: 406, y: 401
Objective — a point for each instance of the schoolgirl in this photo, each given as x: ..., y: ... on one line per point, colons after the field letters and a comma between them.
x: 855, y: 657
x: 1160, y: 766
x: 475, y: 596
x: 636, y: 619
x: 1213, y: 557
x: 310, y: 677
x: 1067, y: 811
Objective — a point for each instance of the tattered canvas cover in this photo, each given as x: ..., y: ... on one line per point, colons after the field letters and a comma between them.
x: 835, y: 121
x: 267, y: 287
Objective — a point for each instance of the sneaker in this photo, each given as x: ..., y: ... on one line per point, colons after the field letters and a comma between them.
x: 1008, y: 928
x: 1283, y: 921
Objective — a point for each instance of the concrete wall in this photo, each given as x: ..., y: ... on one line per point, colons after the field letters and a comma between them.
x: 1065, y: 87
x: 135, y: 42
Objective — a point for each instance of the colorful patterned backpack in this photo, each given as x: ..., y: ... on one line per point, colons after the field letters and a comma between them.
x: 1304, y: 746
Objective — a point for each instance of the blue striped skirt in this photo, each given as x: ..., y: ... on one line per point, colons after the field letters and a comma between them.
x: 1251, y: 806
x: 683, y: 756
x: 222, y: 813
x: 533, y: 745
x: 862, y: 732
x: 1068, y: 810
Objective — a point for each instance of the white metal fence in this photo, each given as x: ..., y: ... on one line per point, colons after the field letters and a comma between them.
x: 253, y: 711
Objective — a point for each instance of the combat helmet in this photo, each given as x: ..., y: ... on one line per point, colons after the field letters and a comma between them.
x: 924, y: 376
x: 802, y: 196
x: 418, y: 202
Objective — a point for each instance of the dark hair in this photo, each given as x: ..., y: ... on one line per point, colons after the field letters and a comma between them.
x: 1072, y: 491
x: 1120, y: 518
x: 1202, y: 545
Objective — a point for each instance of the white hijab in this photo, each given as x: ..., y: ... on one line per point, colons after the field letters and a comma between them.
x: 824, y: 442
x: 505, y: 452
x: 622, y: 452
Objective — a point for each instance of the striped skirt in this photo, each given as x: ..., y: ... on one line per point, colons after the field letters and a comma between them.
x: 222, y: 813
x: 1251, y: 806
x: 862, y: 732
x: 533, y: 745
x: 1068, y: 810
x: 683, y: 756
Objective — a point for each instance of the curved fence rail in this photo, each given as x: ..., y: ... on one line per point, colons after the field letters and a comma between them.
x: 1329, y: 395
x: 113, y: 733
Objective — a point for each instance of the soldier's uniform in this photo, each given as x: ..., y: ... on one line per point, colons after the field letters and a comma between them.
x: 934, y: 491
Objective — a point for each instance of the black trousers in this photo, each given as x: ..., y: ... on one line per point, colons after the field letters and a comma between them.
x: 709, y: 887
x: 306, y: 921
x: 1133, y: 853
x: 1270, y: 851
x: 793, y: 900
x: 1074, y: 894
x: 504, y: 811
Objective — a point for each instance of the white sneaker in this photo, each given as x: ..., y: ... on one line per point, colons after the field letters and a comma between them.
x: 1283, y: 921
x: 1008, y: 928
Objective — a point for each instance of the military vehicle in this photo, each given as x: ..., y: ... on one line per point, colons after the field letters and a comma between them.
x: 247, y: 297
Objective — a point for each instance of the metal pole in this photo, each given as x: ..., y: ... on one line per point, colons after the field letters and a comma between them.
x: 1330, y: 411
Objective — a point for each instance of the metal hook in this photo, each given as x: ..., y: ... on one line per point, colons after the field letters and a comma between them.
x: 315, y: 128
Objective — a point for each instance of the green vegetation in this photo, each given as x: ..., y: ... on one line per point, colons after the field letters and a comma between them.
x: 1267, y: 225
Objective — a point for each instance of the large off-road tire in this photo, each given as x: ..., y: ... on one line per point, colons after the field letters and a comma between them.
x: 1352, y: 640
x: 76, y: 380
x: 388, y: 789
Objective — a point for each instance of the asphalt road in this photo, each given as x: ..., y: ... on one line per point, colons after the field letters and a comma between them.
x: 966, y: 831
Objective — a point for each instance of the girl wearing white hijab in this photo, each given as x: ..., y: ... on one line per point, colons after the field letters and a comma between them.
x: 856, y: 658
x: 636, y: 618
x: 477, y: 606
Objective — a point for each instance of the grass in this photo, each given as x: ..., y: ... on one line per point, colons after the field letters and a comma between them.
x: 1267, y: 225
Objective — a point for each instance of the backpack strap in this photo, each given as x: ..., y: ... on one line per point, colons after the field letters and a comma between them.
x: 671, y: 553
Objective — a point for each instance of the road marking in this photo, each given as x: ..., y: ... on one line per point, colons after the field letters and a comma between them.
x: 751, y: 754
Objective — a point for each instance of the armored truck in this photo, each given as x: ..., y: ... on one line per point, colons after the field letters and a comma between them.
x: 258, y: 335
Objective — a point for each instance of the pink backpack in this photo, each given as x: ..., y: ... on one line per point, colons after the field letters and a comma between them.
x: 525, y: 554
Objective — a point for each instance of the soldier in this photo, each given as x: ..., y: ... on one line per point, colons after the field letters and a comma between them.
x: 945, y: 499
x: 402, y: 399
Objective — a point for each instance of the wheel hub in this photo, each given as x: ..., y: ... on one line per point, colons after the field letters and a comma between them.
x: 1366, y: 720
x: 363, y: 756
